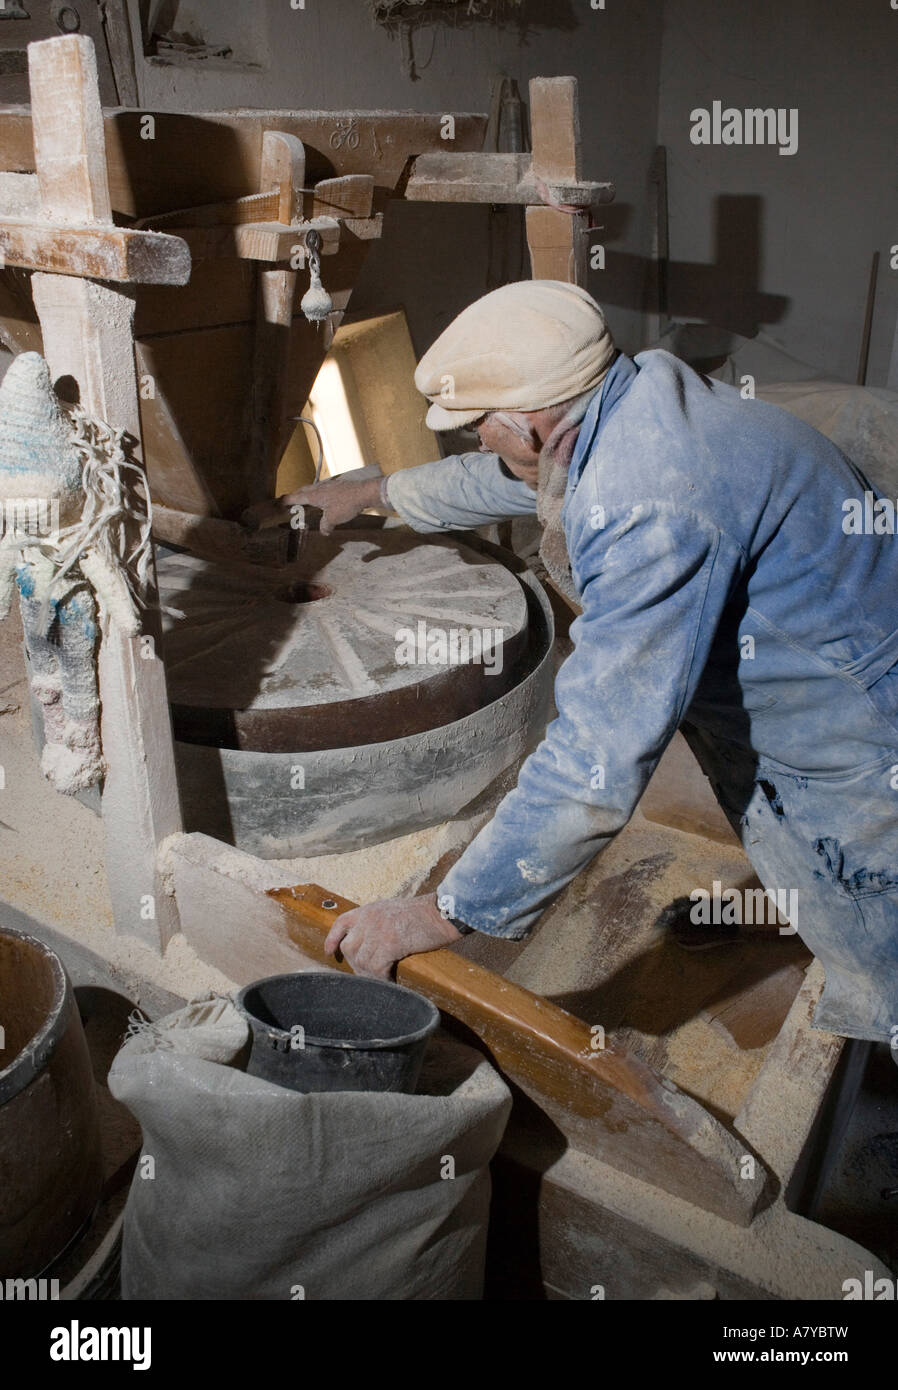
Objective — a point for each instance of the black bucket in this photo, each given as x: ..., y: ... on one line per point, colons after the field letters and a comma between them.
x: 322, y: 1031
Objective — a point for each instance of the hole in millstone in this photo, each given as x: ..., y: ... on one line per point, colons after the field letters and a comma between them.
x: 303, y: 592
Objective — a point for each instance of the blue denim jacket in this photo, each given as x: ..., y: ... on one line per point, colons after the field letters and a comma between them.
x: 721, y: 591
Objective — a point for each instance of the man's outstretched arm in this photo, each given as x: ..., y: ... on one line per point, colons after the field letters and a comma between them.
x: 660, y: 581
x: 451, y: 494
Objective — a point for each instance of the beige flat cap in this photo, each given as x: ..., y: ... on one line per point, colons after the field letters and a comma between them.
x: 524, y: 346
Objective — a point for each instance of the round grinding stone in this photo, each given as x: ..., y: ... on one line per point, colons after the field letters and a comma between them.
x: 359, y: 641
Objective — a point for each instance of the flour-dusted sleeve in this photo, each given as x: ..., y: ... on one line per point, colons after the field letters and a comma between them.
x: 458, y: 493
x: 659, y: 582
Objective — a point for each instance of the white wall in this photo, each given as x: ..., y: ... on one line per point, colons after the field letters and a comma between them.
x: 822, y: 212
x: 434, y: 260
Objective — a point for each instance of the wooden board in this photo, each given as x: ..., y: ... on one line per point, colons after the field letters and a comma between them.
x: 555, y: 129
x: 558, y: 245
x: 67, y: 129
x: 102, y: 253
x: 218, y: 292
x: 451, y: 177
x: 197, y: 422
x: 193, y: 159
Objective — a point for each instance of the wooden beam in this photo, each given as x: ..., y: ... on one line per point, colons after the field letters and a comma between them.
x: 283, y: 169
x: 454, y: 177
x: 558, y: 246
x: 607, y: 1103
x: 255, y: 207
x: 214, y: 538
x: 260, y: 241
x: 352, y: 196
x: 555, y: 130
x: 214, y: 156
x: 102, y: 253
x: 117, y: 28
x: 88, y: 334
x: 67, y: 126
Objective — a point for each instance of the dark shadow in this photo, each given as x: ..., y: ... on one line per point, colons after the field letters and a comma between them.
x: 531, y: 1144
x: 666, y: 986
x: 727, y: 293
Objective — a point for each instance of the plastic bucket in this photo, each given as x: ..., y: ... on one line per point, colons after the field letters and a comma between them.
x: 323, y: 1031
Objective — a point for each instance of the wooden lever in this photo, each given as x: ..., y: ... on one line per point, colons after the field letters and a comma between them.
x: 606, y: 1103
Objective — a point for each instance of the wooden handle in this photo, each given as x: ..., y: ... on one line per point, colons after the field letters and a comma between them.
x: 607, y: 1103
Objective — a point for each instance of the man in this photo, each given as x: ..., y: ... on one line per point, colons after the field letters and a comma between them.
x: 702, y: 534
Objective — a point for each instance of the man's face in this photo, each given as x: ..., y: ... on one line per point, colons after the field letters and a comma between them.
x: 514, y: 439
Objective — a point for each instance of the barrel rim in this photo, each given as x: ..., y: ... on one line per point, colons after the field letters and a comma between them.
x: 33, y: 1057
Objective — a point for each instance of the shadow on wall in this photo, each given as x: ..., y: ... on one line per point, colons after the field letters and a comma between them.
x: 727, y: 293
x: 419, y: 264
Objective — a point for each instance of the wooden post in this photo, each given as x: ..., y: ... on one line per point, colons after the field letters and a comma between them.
x: 88, y: 334
x: 283, y: 169
x: 556, y: 239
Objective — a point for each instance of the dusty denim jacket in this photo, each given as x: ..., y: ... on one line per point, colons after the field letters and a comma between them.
x: 720, y: 591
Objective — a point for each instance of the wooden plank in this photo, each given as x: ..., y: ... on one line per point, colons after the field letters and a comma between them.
x: 271, y: 365
x: 555, y: 129
x: 257, y: 207
x: 780, y: 1109
x: 352, y: 196
x: 219, y: 892
x: 213, y: 538
x: 218, y: 292
x: 69, y: 140
x: 117, y: 27
x: 208, y: 158
x: 558, y: 244
x: 606, y: 1103
x: 452, y: 177
x: 196, y: 431
x: 260, y: 241
x: 283, y: 169
x: 102, y: 253
x: 173, y: 476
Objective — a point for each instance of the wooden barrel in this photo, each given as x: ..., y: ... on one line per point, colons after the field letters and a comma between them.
x: 50, y: 1163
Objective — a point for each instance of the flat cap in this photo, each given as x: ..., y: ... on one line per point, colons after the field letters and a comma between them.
x: 524, y: 346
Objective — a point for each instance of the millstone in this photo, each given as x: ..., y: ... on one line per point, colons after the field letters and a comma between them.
x: 359, y: 641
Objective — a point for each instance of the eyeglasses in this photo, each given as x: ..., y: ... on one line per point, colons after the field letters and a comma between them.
x: 503, y: 418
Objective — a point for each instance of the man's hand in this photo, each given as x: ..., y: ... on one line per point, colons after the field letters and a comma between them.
x: 373, y: 938
x: 340, y: 499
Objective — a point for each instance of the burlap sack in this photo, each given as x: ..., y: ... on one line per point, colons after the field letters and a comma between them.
x: 258, y: 1192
